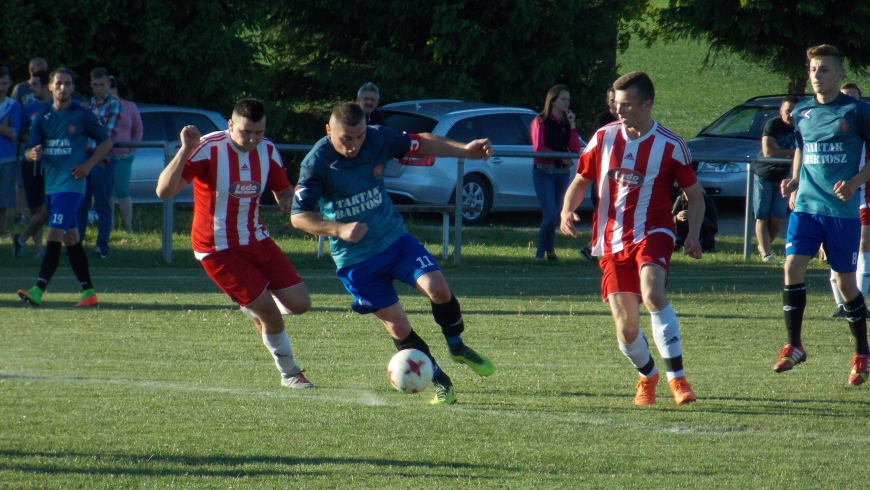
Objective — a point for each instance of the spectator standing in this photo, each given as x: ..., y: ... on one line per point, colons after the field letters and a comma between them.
x: 342, y: 175
x: 554, y: 129
x: 59, y: 138
x: 99, y: 182
x: 368, y: 97
x: 709, y: 227
x: 23, y: 92
x: 129, y: 128
x: 771, y: 208
x: 32, y: 173
x: 635, y: 165
x: 10, y: 128
x: 828, y: 172
x: 230, y: 170
x: 608, y: 116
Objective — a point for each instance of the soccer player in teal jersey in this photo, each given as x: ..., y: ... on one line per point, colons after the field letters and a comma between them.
x: 828, y: 171
x: 59, y: 136
x: 341, y: 176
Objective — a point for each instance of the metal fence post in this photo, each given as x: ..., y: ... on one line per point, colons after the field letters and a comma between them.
x: 457, y: 235
x: 168, y: 206
x: 749, y: 212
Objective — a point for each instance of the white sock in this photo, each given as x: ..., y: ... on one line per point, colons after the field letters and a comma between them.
x: 279, y: 346
x: 638, y: 353
x: 863, y: 274
x: 837, y: 296
x: 666, y: 333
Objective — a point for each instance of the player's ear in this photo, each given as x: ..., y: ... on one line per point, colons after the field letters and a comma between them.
x: 230, y: 124
x: 328, y: 131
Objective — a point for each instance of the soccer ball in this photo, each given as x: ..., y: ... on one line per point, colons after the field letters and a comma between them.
x: 410, y: 371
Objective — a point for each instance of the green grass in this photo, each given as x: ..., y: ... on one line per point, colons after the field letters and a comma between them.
x: 168, y: 385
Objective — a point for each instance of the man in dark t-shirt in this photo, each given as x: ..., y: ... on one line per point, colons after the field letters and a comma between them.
x: 777, y: 140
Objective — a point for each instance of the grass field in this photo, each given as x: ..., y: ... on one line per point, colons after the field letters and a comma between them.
x: 166, y: 384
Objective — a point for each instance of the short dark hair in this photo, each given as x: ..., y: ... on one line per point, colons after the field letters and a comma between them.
x: 42, y: 75
x: 100, y: 73
x: 4, y: 71
x: 640, y: 80
x: 251, y: 109
x: 348, y: 114
x: 852, y: 85
x: 794, y: 99
x: 821, y: 50
x: 62, y: 71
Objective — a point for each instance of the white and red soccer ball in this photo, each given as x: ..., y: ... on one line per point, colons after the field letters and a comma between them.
x: 410, y: 371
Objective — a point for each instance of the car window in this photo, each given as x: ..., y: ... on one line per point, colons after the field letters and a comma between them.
x: 503, y: 129
x: 408, y: 123
x: 465, y: 130
x: 742, y: 122
x: 181, y: 119
x: 153, y: 127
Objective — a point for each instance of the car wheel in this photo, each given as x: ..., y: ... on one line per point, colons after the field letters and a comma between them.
x: 476, y: 192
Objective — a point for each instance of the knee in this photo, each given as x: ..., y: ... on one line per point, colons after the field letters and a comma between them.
x: 440, y: 294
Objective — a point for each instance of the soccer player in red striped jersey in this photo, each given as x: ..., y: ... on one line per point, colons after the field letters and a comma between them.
x: 230, y: 170
x: 634, y: 164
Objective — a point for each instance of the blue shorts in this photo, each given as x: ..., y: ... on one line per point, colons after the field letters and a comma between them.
x: 62, y: 208
x: 767, y: 200
x: 839, y: 236
x: 370, y: 282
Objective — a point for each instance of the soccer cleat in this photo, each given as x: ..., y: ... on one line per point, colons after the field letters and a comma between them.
x: 646, y: 390
x: 789, y: 357
x: 859, y: 369
x: 840, y: 312
x: 298, y: 380
x: 32, y: 295
x: 89, y: 298
x: 18, y: 248
x: 769, y: 258
x: 478, y: 363
x: 20, y: 219
x: 100, y: 253
x: 444, y: 394
x: 682, y: 391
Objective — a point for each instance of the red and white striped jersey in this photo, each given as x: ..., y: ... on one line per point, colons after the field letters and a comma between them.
x: 227, y: 185
x: 634, y: 179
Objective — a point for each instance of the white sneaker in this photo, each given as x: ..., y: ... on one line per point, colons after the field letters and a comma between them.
x: 296, y: 381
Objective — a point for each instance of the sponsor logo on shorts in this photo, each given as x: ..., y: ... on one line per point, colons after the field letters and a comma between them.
x: 663, y: 261
x: 626, y: 177
x: 245, y: 189
x: 672, y: 340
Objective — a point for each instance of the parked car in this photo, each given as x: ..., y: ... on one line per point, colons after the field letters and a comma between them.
x: 498, y: 184
x: 736, y: 134
x: 164, y: 123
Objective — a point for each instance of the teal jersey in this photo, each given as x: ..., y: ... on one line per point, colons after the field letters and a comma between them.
x: 64, y: 136
x: 831, y: 137
x: 351, y: 190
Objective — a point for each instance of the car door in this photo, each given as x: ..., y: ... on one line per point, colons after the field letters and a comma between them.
x: 512, y: 175
x: 148, y: 162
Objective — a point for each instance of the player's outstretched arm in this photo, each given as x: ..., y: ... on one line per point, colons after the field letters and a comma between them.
x: 573, y: 198
x: 311, y: 222
x: 439, y: 146
x: 695, y: 212
x: 170, y: 182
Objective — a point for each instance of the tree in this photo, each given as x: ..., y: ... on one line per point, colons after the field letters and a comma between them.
x: 499, y: 51
x: 773, y: 34
x: 197, y: 52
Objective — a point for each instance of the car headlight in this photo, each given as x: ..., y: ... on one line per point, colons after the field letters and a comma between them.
x: 725, y: 167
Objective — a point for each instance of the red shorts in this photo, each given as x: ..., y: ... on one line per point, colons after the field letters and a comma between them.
x: 244, y: 272
x: 865, y: 217
x: 622, y: 269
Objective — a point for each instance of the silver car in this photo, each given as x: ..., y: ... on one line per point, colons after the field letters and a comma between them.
x: 736, y: 134
x: 164, y: 123
x: 499, y: 184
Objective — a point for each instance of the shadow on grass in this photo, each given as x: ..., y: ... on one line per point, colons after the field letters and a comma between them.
x: 214, y: 466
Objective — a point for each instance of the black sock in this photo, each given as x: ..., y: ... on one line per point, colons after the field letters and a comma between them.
x: 674, y: 364
x: 413, y: 341
x: 78, y: 259
x: 449, y: 317
x: 49, y: 264
x: 856, y: 315
x: 794, y: 302
x: 647, y: 368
